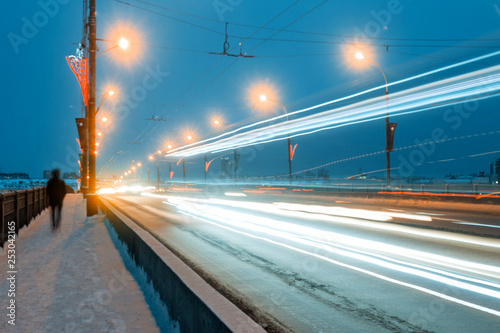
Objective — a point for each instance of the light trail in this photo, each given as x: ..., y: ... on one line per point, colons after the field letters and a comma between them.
x: 459, y: 64
x: 355, y: 248
x: 478, y: 85
x: 343, y: 216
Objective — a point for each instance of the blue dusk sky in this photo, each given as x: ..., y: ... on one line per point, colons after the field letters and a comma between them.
x: 302, y: 56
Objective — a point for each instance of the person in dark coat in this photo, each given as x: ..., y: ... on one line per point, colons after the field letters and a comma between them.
x: 56, y: 190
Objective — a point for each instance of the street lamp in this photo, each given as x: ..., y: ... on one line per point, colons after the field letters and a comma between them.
x: 291, y: 150
x: 389, y: 127
x: 91, y: 111
x: 123, y: 43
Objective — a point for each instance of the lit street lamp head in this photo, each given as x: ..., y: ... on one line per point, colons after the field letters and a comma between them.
x: 104, y: 119
x: 169, y: 146
x: 189, y: 137
x: 263, y: 98
x: 359, y: 55
x: 216, y: 122
x: 111, y: 93
x: 123, y: 43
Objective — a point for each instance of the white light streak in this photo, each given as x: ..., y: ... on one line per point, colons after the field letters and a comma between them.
x: 215, y: 216
x: 473, y: 86
x: 479, y: 224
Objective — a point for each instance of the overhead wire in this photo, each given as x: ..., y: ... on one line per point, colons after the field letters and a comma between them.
x: 141, y: 139
x: 322, y: 33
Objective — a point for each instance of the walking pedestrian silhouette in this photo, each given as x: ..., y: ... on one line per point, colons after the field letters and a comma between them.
x: 56, y: 190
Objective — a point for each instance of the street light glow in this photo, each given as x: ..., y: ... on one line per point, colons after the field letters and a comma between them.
x: 359, y: 55
x: 169, y: 146
x: 189, y: 137
x: 104, y: 119
x: 133, y: 168
x: 97, y: 144
x: 99, y: 133
x: 263, y: 98
x: 151, y: 157
x: 159, y: 152
x: 123, y: 43
x: 216, y: 122
x: 111, y: 93
x: 139, y: 164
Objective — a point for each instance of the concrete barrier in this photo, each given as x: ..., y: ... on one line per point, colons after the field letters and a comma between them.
x: 190, y: 300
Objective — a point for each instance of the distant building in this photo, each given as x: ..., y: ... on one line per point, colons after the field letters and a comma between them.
x: 323, y: 174
x: 47, y: 174
x: 16, y: 175
x: 70, y: 175
x: 494, y: 172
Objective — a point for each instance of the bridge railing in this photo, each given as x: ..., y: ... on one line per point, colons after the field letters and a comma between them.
x: 21, y: 207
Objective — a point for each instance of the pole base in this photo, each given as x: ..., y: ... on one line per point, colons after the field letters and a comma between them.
x: 92, y: 204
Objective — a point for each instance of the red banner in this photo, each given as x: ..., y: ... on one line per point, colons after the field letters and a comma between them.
x: 79, y: 67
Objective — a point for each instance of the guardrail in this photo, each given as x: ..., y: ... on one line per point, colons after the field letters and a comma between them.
x: 353, y: 186
x: 21, y: 207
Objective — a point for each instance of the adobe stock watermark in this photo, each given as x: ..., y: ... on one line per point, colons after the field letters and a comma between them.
x: 424, y: 149
x: 90, y: 308
x: 152, y: 80
x: 31, y: 26
x: 433, y: 311
x: 380, y: 22
x: 71, y: 161
x: 223, y: 6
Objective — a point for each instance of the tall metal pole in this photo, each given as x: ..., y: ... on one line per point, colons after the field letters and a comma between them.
x: 289, y: 143
x: 388, y: 144
x: 91, y: 196
x: 235, y: 166
x: 183, y: 170
x: 158, y: 172
x: 289, y: 159
x: 169, y: 169
x: 389, y: 128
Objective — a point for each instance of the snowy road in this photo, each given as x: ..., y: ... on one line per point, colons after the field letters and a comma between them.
x: 324, y: 266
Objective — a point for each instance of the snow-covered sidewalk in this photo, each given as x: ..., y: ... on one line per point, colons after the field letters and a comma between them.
x: 71, y: 280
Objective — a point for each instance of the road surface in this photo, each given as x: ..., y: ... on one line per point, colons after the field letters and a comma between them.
x: 314, y: 264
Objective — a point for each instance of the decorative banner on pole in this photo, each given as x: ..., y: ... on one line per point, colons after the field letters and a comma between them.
x: 79, y: 67
x: 390, y: 135
x: 81, y: 125
x: 207, y: 164
x: 292, y: 151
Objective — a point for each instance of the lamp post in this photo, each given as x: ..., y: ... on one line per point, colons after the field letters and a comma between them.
x: 389, y: 127
x: 236, y: 156
x: 91, y: 195
x: 169, y: 165
x: 91, y: 111
x: 158, y: 169
x: 291, y: 150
